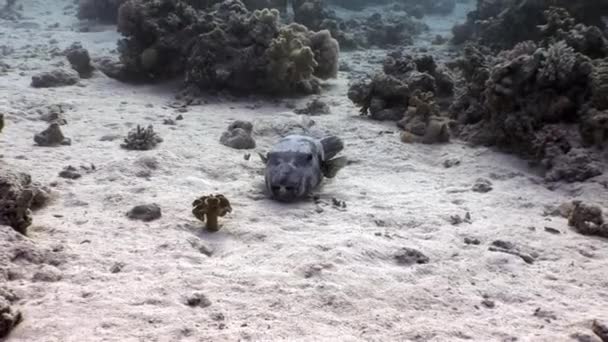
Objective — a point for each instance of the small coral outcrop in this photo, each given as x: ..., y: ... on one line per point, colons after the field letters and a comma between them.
x: 209, y: 208
x: 141, y: 139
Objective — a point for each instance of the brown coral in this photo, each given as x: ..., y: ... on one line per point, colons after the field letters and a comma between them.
x: 210, y: 208
x: 423, y: 122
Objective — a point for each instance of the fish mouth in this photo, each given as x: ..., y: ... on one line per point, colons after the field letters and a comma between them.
x: 284, y: 193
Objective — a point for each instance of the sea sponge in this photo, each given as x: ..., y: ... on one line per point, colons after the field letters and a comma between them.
x: 141, y: 139
x: 210, y: 208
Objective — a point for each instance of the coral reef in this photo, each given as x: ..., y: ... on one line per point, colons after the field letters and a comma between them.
x: 210, y: 208
x: 52, y: 136
x: 503, y: 23
x: 417, y: 7
x: 588, y: 220
x: 537, y: 102
x: 238, y: 136
x: 55, y: 78
x: 376, y: 30
x: 141, y: 139
x: 226, y: 47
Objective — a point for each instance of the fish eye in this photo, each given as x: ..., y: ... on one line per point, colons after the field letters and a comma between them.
x: 309, y: 157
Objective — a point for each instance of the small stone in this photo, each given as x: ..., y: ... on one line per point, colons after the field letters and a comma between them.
x: 488, y: 303
x: 55, y: 78
x: 117, y: 267
x: 198, y: 300
x: 471, y: 241
x: 145, y: 212
x: 179, y: 117
x: 552, y: 230
x: 409, y: 256
x: 69, y: 172
x: 449, y: 163
x: 482, y: 185
x: 169, y: 122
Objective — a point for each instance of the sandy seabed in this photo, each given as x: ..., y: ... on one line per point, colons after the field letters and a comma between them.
x: 300, y: 272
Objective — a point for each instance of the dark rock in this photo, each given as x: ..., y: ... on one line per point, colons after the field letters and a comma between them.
x: 490, y: 304
x: 588, y: 220
x: 52, y: 136
x: 510, y: 248
x: 198, y: 300
x: 449, y: 163
x: 145, y: 212
x: 9, y: 317
x: 408, y: 256
x: 601, y: 330
x: 117, y: 267
x: 55, y: 78
x: 69, y: 172
x: 471, y: 241
x: 482, y: 185
x: 238, y: 136
x: 80, y: 60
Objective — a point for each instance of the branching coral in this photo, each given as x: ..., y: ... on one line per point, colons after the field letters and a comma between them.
x: 141, y: 139
x: 210, y: 208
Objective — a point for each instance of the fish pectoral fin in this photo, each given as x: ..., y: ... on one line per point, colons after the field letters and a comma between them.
x: 331, y: 167
x: 264, y: 158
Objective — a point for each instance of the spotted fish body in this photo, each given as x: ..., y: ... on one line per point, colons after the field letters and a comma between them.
x: 297, y: 164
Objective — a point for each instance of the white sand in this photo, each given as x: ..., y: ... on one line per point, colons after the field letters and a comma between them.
x: 280, y: 272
